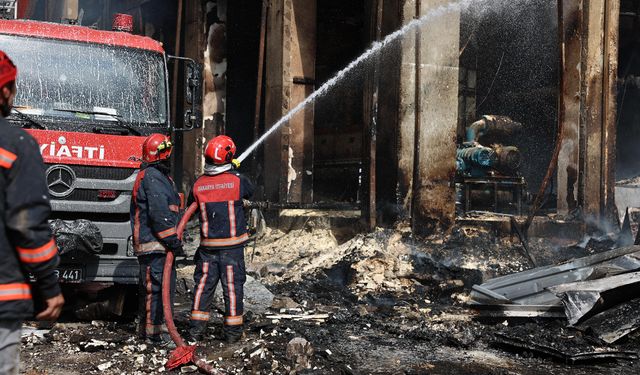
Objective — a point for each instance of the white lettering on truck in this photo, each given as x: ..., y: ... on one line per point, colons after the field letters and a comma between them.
x: 79, y: 152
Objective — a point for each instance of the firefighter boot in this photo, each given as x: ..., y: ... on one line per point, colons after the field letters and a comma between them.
x: 233, y: 334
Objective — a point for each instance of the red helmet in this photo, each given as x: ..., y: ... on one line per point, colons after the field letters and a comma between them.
x: 220, y: 150
x: 156, y: 147
x: 8, y: 70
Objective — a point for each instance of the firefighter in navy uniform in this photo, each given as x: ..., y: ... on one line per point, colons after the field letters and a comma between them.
x: 218, y: 195
x: 26, y: 243
x: 155, y: 207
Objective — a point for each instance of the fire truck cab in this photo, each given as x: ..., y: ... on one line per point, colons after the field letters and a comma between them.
x: 90, y: 97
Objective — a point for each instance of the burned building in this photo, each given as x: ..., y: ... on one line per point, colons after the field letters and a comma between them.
x: 383, y: 143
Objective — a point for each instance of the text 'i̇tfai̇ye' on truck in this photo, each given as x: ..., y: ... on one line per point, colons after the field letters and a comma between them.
x: 90, y: 97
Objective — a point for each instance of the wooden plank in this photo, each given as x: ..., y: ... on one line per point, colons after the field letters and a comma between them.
x: 592, y: 107
x: 273, y: 98
x: 610, y: 72
x: 568, y: 161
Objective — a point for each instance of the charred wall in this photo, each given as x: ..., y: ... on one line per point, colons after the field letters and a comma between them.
x: 243, y: 40
x: 339, y: 122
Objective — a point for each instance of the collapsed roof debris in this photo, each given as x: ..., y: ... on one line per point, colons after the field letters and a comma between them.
x: 529, y: 293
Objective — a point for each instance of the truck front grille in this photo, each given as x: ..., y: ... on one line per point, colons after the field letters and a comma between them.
x: 101, y: 173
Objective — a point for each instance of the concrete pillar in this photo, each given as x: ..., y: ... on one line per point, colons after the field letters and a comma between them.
x: 428, y: 117
x: 290, y: 68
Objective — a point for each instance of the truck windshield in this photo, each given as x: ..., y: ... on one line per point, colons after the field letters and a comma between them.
x: 88, y: 78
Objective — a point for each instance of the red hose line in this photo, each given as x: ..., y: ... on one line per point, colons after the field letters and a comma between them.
x: 166, y: 296
x: 185, y: 219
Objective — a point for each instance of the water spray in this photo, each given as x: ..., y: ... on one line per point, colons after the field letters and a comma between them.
x: 375, y: 48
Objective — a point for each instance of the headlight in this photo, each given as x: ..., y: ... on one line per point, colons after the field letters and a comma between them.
x: 130, y: 252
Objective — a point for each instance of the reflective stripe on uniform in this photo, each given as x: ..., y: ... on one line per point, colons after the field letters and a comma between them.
x: 231, y: 289
x: 148, y: 247
x: 39, y: 254
x: 233, y: 320
x: 199, y: 315
x: 167, y: 233
x: 201, y: 285
x: 7, y: 158
x: 150, y: 328
x: 216, y: 242
x: 232, y: 218
x: 10, y: 292
x: 136, y: 217
x: 205, y: 222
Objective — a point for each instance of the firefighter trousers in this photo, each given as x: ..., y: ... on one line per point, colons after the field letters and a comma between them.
x: 150, y: 313
x: 226, y: 266
x: 10, y: 346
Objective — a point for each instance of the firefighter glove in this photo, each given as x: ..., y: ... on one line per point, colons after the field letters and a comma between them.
x: 178, y: 252
x: 236, y: 163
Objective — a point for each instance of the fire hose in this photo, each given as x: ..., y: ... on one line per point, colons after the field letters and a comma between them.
x: 183, y: 353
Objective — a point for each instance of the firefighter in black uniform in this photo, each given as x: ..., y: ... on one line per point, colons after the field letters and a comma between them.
x: 155, y: 207
x: 218, y: 196
x: 26, y: 243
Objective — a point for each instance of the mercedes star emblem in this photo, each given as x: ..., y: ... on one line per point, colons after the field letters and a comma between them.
x: 60, y: 180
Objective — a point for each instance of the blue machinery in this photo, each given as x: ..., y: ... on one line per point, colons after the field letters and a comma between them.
x: 488, y: 177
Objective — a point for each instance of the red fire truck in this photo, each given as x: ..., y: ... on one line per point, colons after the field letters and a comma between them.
x: 90, y: 97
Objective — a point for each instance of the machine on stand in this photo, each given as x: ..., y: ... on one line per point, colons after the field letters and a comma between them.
x: 488, y: 177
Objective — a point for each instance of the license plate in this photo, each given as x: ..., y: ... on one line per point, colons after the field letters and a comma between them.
x: 70, y: 275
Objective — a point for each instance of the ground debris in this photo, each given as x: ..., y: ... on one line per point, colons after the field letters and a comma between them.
x: 299, y: 352
x: 375, y: 303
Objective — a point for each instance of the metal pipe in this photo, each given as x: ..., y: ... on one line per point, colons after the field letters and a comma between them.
x: 415, y: 181
x: 322, y: 206
x: 561, y: 116
x: 177, y: 165
x: 174, y: 89
x: 261, y: 53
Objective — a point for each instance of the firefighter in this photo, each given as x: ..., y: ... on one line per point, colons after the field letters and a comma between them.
x: 26, y: 243
x: 155, y: 207
x: 218, y: 195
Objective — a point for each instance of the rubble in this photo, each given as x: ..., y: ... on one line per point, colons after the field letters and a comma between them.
x: 360, y: 306
x: 299, y: 352
x: 383, y: 261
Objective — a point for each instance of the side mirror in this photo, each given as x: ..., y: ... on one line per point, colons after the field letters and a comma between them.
x: 192, y: 117
x: 193, y: 82
x: 193, y: 94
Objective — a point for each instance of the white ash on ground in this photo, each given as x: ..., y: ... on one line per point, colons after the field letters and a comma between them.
x: 385, y: 260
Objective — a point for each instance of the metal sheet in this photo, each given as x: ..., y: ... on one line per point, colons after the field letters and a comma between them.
x: 587, y: 298
x: 615, y: 323
x: 530, y: 288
